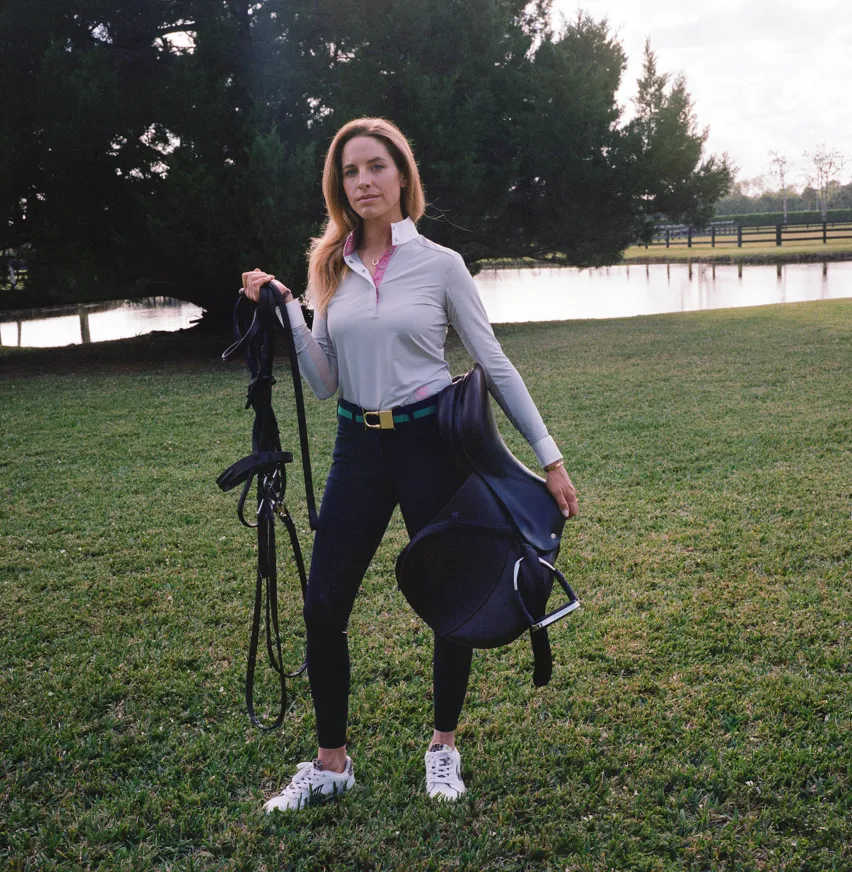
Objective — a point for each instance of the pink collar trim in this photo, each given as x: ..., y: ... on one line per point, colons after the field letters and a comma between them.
x: 379, y: 274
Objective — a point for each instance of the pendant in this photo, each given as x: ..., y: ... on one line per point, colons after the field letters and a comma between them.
x: 375, y: 261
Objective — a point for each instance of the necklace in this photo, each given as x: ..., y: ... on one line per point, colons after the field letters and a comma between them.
x: 375, y: 260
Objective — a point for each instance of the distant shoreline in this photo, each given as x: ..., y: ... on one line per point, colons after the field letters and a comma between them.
x: 729, y: 258
x: 751, y: 258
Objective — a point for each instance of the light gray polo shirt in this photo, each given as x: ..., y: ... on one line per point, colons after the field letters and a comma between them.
x: 384, y: 346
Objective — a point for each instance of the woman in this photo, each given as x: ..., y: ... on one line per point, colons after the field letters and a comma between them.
x: 382, y: 296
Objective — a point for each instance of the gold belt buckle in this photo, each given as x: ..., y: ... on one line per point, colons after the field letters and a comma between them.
x: 385, y: 419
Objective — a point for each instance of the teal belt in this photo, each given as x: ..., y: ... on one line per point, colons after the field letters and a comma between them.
x: 385, y: 419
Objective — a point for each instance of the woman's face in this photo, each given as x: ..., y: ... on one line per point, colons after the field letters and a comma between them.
x: 371, y: 179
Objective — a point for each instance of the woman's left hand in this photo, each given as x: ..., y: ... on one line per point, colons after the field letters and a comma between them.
x: 562, y: 491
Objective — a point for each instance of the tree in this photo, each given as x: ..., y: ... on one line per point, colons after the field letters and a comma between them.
x: 824, y: 166
x: 780, y: 162
x: 516, y: 126
x: 675, y: 180
x: 76, y: 148
x: 131, y: 165
x: 454, y: 75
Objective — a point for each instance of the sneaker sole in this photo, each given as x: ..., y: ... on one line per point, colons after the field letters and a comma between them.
x: 443, y: 797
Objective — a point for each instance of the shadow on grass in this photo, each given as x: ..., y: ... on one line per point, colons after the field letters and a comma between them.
x: 194, y: 349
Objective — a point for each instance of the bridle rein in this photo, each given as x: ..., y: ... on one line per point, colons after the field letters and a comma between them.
x: 254, y: 330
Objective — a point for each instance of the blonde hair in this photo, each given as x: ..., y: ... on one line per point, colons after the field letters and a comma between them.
x: 326, y: 267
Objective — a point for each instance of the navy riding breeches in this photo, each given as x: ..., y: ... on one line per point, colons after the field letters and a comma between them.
x: 372, y: 471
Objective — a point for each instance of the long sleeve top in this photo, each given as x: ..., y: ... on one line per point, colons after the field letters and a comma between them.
x: 381, y: 339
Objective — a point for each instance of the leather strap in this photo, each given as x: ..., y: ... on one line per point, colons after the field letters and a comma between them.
x: 534, y: 604
x: 284, y: 321
x: 249, y: 466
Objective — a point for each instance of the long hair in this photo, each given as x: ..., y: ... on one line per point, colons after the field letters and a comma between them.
x: 326, y: 267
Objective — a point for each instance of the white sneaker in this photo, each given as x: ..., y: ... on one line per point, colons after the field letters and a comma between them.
x: 311, y: 785
x: 443, y: 772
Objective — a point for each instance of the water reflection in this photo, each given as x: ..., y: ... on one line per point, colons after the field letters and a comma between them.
x: 95, y: 322
x: 556, y: 294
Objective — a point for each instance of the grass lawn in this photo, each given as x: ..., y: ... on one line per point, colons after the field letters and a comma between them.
x: 700, y: 713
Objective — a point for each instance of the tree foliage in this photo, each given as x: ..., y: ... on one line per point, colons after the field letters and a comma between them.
x: 167, y: 145
x: 674, y: 180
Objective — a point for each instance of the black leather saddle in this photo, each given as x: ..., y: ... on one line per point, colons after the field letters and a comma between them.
x: 481, y: 572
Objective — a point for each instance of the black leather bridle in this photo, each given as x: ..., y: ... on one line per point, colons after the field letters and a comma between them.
x: 255, y: 328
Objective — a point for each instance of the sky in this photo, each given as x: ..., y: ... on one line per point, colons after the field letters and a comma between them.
x: 763, y: 74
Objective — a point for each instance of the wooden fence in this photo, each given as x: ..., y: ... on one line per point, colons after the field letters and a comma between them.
x: 729, y: 233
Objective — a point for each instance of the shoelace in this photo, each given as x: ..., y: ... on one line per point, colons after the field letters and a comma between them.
x: 440, y: 764
x: 305, y: 774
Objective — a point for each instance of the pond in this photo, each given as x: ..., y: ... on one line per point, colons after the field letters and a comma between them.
x: 560, y: 294
x: 509, y: 295
x: 95, y: 322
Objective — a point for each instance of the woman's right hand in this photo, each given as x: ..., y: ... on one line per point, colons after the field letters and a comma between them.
x: 254, y: 280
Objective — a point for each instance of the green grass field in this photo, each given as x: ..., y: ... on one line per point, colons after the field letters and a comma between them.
x: 700, y: 714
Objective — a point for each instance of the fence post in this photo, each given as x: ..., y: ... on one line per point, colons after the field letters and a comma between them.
x: 739, y: 235
x: 712, y: 236
x: 778, y: 234
x: 689, y: 237
x: 667, y: 237
x: 824, y: 233
x: 85, y: 333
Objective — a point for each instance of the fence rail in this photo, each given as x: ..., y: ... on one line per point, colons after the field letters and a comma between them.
x: 728, y: 233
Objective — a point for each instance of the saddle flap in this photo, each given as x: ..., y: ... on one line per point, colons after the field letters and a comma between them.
x: 453, y: 570
x: 470, y: 430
